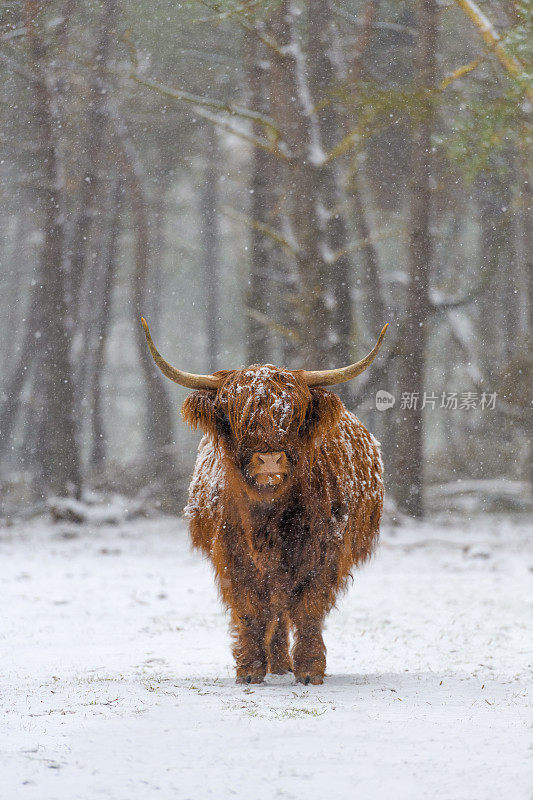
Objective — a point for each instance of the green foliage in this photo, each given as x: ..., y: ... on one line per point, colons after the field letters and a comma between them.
x: 486, y: 130
x: 497, y: 117
x: 216, y: 11
x: 480, y: 118
x: 376, y: 108
x: 519, y: 40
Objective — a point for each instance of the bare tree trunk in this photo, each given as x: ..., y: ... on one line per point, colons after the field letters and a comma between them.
x: 410, y: 463
x: 527, y: 197
x: 374, y: 299
x: 159, y: 428
x: 13, y: 296
x: 155, y: 293
x: 492, y: 243
x: 84, y: 257
x: 28, y: 353
x: 96, y: 124
x: 524, y: 235
x: 259, y: 293
x: 11, y: 394
x: 285, y: 278
x: 322, y: 76
x: 59, y: 455
x: 525, y: 266
x: 378, y: 313
x: 102, y: 325
x: 209, y: 213
x: 363, y: 39
x: 292, y: 108
x: 33, y: 411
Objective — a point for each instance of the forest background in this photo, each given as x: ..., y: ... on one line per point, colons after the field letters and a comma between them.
x: 265, y: 181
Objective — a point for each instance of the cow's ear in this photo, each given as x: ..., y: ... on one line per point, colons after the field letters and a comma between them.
x: 199, y: 410
x: 323, y: 413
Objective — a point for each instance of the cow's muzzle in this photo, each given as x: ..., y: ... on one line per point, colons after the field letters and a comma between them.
x: 268, y: 469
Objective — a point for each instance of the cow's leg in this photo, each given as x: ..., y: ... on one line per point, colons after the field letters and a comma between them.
x: 249, y: 648
x: 279, y: 660
x: 309, y: 651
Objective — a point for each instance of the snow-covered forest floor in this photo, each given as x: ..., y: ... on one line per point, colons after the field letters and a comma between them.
x: 117, y: 680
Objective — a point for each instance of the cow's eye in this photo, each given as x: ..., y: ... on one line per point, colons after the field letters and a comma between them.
x: 223, y: 426
x: 311, y: 419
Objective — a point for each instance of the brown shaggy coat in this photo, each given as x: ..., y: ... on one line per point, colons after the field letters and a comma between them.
x: 281, y: 554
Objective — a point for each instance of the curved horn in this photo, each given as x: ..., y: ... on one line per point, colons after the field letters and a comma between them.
x: 187, y: 379
x: 329, y: 377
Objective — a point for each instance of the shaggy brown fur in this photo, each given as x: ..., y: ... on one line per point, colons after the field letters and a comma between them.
x: 281, y: 553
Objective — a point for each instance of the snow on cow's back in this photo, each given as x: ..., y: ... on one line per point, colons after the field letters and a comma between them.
x: 353, y: 454
x: 207, y: 482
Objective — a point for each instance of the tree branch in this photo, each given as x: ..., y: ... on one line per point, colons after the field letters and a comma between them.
x: 277, y: 327
x: 262, y: 144
x: 268, y: 41
x: 463, y: 300
x: 206, y: 102
x: 14, y: 67
x: 492, y: 38
x: 378, y: 26
x: 273, y: 234
x: 363, y: 39
x: 459, y: 72
x: 222, y: 15
x: 348, y: 141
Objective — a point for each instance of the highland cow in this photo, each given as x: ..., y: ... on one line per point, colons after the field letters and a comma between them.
x: 285, y: 499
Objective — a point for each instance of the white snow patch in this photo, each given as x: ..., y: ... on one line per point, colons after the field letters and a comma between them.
x: 117, y: 679
x: 315, y: 151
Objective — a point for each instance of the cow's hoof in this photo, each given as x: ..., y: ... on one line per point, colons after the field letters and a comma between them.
x: 280, y: 668
x: 306, y: 679
x: 250, y: 678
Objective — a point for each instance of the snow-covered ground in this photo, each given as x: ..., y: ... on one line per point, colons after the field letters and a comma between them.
x: 117, y: 681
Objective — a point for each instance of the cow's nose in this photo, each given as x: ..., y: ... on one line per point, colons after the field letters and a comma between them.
x: 271, y: 461
x: 274, y: 457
